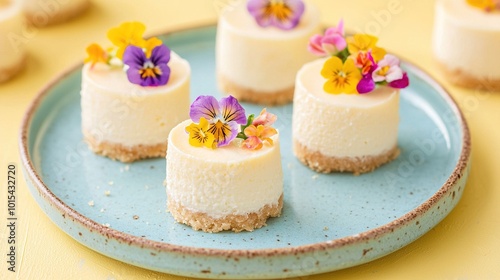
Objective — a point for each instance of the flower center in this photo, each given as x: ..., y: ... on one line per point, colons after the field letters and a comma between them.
x: 149, y: 70
x: 384, y: 70
x: 340, y: 78
x: 278, y: 9
x: 220, y: 130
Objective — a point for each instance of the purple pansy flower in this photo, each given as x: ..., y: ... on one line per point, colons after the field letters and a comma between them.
x: 224, y: 116
x: 284, y: 14
x: 144, y: 71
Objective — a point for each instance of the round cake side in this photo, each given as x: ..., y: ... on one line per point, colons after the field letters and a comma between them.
x: 227, y: 188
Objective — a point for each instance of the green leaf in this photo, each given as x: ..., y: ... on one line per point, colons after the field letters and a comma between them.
x: 249, y: 123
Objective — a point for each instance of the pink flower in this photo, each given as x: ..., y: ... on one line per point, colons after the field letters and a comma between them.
x: 265, y: 118
x: 331, y: 43
x: 388, y: 70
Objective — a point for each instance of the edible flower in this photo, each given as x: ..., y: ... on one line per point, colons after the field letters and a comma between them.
x: 218, y: 123
x: 150, y: 44
x: 356, y: 64
x: 366, y: 63
x: 487, y: 5
x: 96, y: 54
x: 389, y: 71
x: 224, y: 117
x: 331, y: 43
x: 257, y: 135
x: 341, y: 77
x: 128, y: 33
x: 144, y: 71
x: 265, y: 118
x: 258, y: 130
x: 144, y: 61
x: 365, y: 43
x: 283, y: 14
x: 199, y: 135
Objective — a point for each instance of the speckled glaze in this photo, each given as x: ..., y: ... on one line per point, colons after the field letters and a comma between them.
x: 329, y: 221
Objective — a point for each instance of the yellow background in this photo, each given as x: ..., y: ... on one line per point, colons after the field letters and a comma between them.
x: 465, y: 245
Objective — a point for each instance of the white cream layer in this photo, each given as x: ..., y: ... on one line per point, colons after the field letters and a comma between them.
x: 343, y: 125
x: 117, y: 111
x: 467, y: 39
x: 222, y: 181
x: 262, y: 59
x: 12, y: 47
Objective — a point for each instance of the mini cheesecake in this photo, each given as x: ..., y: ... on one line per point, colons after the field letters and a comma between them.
x: 12, y: 52
x: 42, y: 12
x: 257, y: 64
x: 466, y: 43
x: 126, y: 121
x: 343, y: 132
x: 226, y: 188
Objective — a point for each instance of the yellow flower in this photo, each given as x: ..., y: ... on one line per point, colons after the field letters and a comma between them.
x: 150, y: 44
x: 199, y: 135
x: 128, y: 33
x: 342, y: 77
x: 365, y: 43
x: 487, y: 5
x: 96, y: 54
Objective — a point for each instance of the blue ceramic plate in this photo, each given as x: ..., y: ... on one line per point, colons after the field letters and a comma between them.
x: 329, y: 222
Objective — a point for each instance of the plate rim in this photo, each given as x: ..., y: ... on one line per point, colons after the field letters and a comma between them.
x: 61, y: 207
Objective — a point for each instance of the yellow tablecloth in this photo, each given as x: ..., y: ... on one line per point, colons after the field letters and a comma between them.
x: 465, y: 245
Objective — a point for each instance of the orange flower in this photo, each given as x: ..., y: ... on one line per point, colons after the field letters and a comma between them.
x: 257, y: 135
x: 96, y: 54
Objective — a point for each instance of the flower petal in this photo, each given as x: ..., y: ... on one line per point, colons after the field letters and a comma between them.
x: 204, y: 106
x: 150, y: 44
x: 198, y: 135
x: 163, y: 77
x: 160, y: 55
x: 402, y: 83
x: 224, y: 133
x: 395, y: 73
x: 267, y: 132
x: 265, y: 118
x: 251, y: 130
x: 253, y: 143
x: 128, y: 33
x: 366, y: 84
x: 96, y: 54
x: 134, y: 58
x: 333, y: 44
x: 232, y: 110
x: 332, y: 64
x: 285, y: 14
x: 315, y: 46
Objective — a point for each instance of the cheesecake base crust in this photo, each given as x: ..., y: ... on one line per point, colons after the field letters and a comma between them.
x: 236, y: 223
x: 467, y: 80
x: 123, y: 153
x: 42, y: 18
x: 327, y: 164
x: 8, y: 73
x: 249, y: 95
